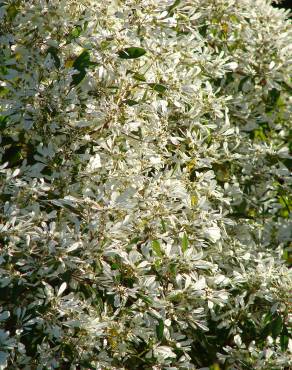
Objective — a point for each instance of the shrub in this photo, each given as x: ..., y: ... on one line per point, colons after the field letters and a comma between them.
x: 145, y: 190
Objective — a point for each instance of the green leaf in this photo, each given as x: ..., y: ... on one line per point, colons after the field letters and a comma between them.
x: 272, y: 99
x: 3, y: 91
x: 286, y: 87
x: 12, y: 11
x: 80, y: 64
x: 3, y: 122
x: 160, y: 329
x: 158, y: 87
x: 276, y: 326
x: 131, y: 53
x: 54, y: 53
x: 284, y: 339
x: 82, y: 61
x: 184, y: 243
x: 171, y: 7
x: 139, y: 77
x: 75, y: 33
x: 131, y: 102
x: 76, y: 79
x: 156, y: 247
x: 242, y: 82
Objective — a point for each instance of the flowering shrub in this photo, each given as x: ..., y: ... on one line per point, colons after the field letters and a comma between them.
x: 145, y: 188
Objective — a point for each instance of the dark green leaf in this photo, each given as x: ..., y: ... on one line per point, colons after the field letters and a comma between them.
x: 158, y: 87
x: 76, y: 79
x: 242, y: 82
x: 54, y: 53
x: 82, y: 61
x: 13, y: 155
x: 276, y: 326
x: 139, y: 77
x: 272, y: 99
x: 131, y: 102
x: 131, y: 53
x: 284, y: 340
x: 3, y: 122
x: 80, y: 64
x: 286, y: 87
x: 159, y: 330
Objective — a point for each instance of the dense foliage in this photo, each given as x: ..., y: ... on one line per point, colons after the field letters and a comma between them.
x: 145, y: 191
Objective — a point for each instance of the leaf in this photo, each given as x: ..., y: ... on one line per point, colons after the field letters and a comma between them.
x: 3, y: 360
x: 54, y: 53
x: 62, y: 289
x: 272, y: 99
x: 4, y: 315
x: 12, y: 11
x: 284, y: 339
x: 131, y: 102
x: 184, y: 243
x: 3, y: 122
x: 139, y: 77
x: 131, y: 53
x: 171, y: 7
x: 75, y: 33
x: 76, y: 79
x: 242, y: 82
x: 276, y: 326
x: 80, y: 64
x: 158, y: 87
x: 82, y: 61
x: 156, y: 247
x: 160, y: 329
x: 286, y: 87
x: 163, y: 225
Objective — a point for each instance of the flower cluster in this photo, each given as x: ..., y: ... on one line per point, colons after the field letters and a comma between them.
x: 145, y: 191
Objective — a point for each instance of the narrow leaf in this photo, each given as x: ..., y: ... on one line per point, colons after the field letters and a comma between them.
x: 156, y: 247
x: 139, y: 77
x: 62, y: 289
x: 160, y: 329
x: 185, y: 243
x: 54, y: 53
x: 158, y: 87
x: 276, y: 326
x: 131, y: 102
x: 131, y: 53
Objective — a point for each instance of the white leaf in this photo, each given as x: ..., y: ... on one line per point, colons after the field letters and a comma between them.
x: 231, y: 66
x: 94, y: 163
x: 200, y: 284
x: 213, y: 234
x: 4, y: 315
x: 62, y: 289
x: 15, y: 172
x: 237, y: 340
x: 3, y: 360
x: 73, y: 247
x: 164, y: 352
